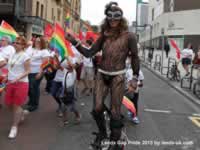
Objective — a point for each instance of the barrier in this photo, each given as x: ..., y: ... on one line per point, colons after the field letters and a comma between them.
x: 157, y: 64
x: 189, y: 79
x: 173, y: 72
x: 196, y: 85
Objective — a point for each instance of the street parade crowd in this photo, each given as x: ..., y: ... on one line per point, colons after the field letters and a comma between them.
x: 106, y: 65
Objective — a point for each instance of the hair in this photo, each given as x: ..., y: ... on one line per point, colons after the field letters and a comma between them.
x: 113, y: 6
x: 8, y: 38
x: 22, y: 41
x: 43, y: 44
x: 123, y: 26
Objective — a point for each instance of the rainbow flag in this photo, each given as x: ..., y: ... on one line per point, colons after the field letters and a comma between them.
x: 129, y: 105
x: 6, y: 29
x: 59, y: 43
x: 67, y: 20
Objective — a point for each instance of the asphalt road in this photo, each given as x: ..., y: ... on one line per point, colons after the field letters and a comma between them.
x: 168, y: 122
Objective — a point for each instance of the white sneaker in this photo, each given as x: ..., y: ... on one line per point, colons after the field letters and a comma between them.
x: 13, y: 133
x: 136, y: 120
x: 26, y: 112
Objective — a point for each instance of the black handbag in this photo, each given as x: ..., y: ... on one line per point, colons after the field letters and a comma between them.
x: 68, y: 96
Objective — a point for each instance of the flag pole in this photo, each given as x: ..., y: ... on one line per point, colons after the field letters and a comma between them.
x: 136, y: 19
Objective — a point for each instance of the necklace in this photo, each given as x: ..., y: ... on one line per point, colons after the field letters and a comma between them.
x: 15, y: 58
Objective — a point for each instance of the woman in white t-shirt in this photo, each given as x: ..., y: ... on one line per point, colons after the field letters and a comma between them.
x: 38, y: 54
x: 17, y: 86
x: 187, y: 54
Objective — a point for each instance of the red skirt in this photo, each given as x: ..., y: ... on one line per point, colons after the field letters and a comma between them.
x: 16, y: 93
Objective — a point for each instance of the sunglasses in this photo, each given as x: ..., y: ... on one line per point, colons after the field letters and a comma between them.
x: 114, y: 15
x: 18, y: 43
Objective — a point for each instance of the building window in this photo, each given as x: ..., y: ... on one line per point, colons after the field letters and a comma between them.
x: 152, y: 14
x: 41, y: 12
x: 37, y: 8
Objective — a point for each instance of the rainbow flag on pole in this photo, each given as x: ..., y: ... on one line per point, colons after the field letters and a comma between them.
x: 59, y: 43
x: 129, y: 105
x: 6, y: 29
x: 67, y: 20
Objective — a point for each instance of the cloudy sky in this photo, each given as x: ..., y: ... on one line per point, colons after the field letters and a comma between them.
x: 93, y: 10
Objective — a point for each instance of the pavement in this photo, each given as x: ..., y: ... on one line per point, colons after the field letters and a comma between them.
x: 169, y: 121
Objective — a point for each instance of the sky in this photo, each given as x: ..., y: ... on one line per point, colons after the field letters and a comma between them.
x: 93, y: 10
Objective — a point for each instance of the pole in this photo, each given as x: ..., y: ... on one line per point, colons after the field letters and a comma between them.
x: 136, y: 19
x: 151, y: 35
x: 163, y: 45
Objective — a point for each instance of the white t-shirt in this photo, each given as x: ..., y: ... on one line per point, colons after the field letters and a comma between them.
x: 36, y: 58
x: 70, y: 79
x: 16, y: 66
x: 61, y: 73
x: 187, y: 53
x: 1, y: 58
x: 77, y: 54
x: 87, y: 62
x: 7, y: 51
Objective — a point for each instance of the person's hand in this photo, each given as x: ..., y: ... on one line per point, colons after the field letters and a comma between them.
x: 38, y: 76
x: 70, y: 38
x: 5, y: 79
x: 132, y: 85
x: 140, y: 84
x: 14, y: 81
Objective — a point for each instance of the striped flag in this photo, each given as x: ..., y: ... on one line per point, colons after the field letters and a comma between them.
x: 6, y: 29
x: 129, y: 105
x: 67, y: 20
x: 59, y: 43
x: 175, y: 46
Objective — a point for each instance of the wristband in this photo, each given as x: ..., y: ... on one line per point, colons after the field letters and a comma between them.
x: 77, y: 44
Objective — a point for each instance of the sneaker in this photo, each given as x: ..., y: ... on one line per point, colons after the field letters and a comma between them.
x: 26, y: 112
x: 66, y: 122
x: 78, y: 119
x: 13, y: 133
x: 130, y: 114
x: 59, y: 113
x: 135, y: 120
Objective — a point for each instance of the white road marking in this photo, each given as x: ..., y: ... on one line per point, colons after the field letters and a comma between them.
x: 198, y: 115
x: 158, y: 111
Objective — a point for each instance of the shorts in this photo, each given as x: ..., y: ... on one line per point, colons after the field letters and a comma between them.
x: 16, y: 93
x: 186, y: 61
x: 87, y: 73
